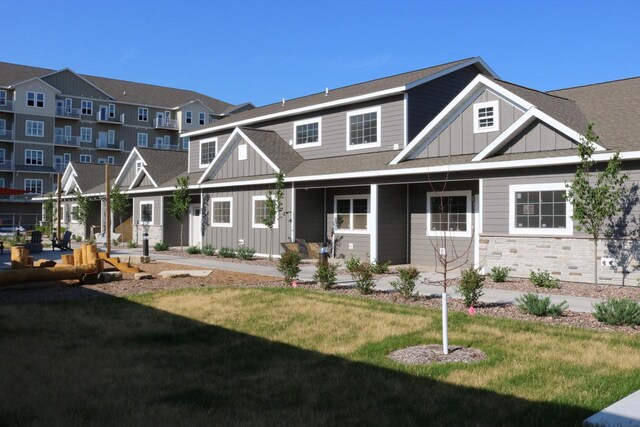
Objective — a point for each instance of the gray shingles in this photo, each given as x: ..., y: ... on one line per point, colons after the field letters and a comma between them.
x: 91, y: 176
x: 164, y: 165
x: 275, y: 148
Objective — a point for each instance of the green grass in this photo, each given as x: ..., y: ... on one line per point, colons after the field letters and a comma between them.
x: 240, y: 356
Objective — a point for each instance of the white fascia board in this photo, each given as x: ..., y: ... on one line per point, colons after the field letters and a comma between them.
x: 476, y: 60
x: 139, y: 176
x: 255, y: 147
x: 134, y: 151
x: 223, y: 150
x: 68, y: 173
x: 193, y: 101
x: 565, y: 129
x: 69, y: 185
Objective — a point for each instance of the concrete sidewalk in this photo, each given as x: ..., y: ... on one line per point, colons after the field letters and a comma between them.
x: 625, y: 413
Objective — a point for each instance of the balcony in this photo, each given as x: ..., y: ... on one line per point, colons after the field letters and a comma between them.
x: 104, y: 144
x: 67, y: 140
x: 6, y: 165
x: 103, y: 117
x: 163, y: 123
x: 6, y: 106
x: 6, y: 135
x: 166, y: 146
x: 68, y: 113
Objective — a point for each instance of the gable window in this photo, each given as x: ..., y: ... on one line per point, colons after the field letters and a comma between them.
x: 33, y: 186
x: 201, y: 118
x: 363, y: 128
x: 221, y: 212
x: 188, y: 117
x: 34, y: 128
x: 485, y: 116
x: 351, y: 213
x: 143, y: 114
x: 208, y: 152
x: 260, y: 212
x: 33, y: 157
x: 307, y: 133
x: 3, y: 97
x: 540, y: 209
x: 85, y: 158
x: 146, y: 212
x: 449, y: 213
x: 35, y: 99
x: 86, y: 134
x: 142, y: 139
x: 86, y: 107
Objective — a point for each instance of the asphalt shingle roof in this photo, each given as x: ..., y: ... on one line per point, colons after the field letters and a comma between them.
x: 91, y: 176
x: 275, y: 148
x: 164, y: 165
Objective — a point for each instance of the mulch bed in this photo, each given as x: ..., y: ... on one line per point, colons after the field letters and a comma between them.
x: 432, y: 353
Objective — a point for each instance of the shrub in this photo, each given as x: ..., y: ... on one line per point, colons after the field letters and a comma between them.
x: 161, y: 246
x: 363, y: 277
x: 532, y: 303
x: 131, y: 244
x: 543, y: 279
x: 244, y: 252
x: 77, y: 238
x: 618, y: 312
x: 352, y: 264
x: 226, y: 252
x: 193, y: 250
x: 208, y: 250
x: 499, y: 273
x: 115, y: 242
x: 380, y: 268
x: 289, y: 266
x: 325, y: 275
x: 406, y: 283
x: 470, y: 287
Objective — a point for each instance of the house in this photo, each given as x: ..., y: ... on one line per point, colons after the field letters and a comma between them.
x: 385, y: 169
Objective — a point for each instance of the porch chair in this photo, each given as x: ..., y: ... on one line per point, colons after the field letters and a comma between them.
x: 64, y: 244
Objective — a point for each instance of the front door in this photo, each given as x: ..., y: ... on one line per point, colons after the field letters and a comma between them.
x: 195, y: 237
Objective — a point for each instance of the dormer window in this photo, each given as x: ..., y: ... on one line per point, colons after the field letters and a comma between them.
x: 485, y: 117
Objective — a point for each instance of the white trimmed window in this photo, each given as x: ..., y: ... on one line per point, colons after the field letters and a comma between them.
x: 35, y: 99
x: 74, y: 213
x: 34, y: 128
x: 208, y: 150
x: 260, y: 212
x: 33, y: 186
x: 201, y: 118
x: 351, y: 213
x: 143, y: 114
x: 33, y: 157
x: 86, y: 107
x: 363, y: 128
x: 138, y: 166
x: 86, y: 134
x: 146, y: 212
x: 306, y: 133
x: 540, y: 209
x: 188, y: 117
x: 112, y: 111
x: 85, y: 158
x: 485, y: 116
x: 449, y: 213
x: 142, y: 139
x: 111, y: 160
x: 222, y: 212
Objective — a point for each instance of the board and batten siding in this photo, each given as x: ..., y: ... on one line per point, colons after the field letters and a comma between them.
x: 70, y: 84
x: 537, y: 137
x: 233, y: 167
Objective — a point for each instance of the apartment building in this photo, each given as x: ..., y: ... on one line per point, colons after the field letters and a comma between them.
x: 49, y: 118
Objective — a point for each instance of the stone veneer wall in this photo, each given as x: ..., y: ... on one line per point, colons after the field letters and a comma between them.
x: 75, y: 227
x: 566, y: 258
x: 155, y: 234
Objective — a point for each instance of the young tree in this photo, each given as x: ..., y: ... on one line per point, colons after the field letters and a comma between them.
x: 595, y: 196
x: 275, y: 208
x: 83, y: 209
x: 180, y: 201
x: 49, y: 212
x: 119, y: 204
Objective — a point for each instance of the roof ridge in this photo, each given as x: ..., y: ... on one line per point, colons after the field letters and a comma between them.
x: 595, y: 84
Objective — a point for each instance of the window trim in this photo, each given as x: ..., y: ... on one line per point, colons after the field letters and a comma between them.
x: 74, y: 221
x: 35, y: 99
x: 202, y: 118
x: 555, y: 186
x: 33, y: 150
x: 146, y: 202
x: 188, y: 117
x: 24, y: 184
x: 296, y: 145
x: 89, y: 108
x: 84, y: 155
x: 207, y: 141
x: 146, y: 139
x: 146, y: 115
x: 378, y: 110
x: 3, y: 99
x: 222, y: 199
x: 254, y: 199
x: 3, y: 158
x: 351, y: 197
x: 496, y: 116
x: 90, y: 133
x: 39, y: 126
x: 469, y: 213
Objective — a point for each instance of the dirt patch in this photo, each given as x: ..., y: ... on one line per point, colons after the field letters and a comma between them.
x: 432, y: 353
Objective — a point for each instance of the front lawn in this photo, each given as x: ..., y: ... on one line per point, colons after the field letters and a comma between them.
x: 282, y: 356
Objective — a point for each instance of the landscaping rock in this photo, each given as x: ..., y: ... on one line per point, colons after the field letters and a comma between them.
x: 142, y: 276
x: 425, y: 354
x: 173, y: 274
x: 89, y: 279
x: 109, y: 276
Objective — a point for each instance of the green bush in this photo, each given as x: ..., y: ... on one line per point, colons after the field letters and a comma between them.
x: 499, y: 273
x: 380, y: 268
x: 532, y: 303
x: 161, y: 246
x: 208, y: 250
x: 115, y: 242
x: 618, y: 312
x: 406, y: 283
x: 352, y: 264
x: 543, y: 279
x: 363, y: 277
x: 470, y: 286
x: 325, y: 275
x: 244, y: 252
x: 226, y: 252
x: 77, y: 238
x: 131, y: 244
x: 193, y: 250
x: 289, y: 266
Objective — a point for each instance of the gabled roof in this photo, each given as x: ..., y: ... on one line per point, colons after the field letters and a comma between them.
x: 89, y: 176
x: 164, y: 165
x: 14, y: 73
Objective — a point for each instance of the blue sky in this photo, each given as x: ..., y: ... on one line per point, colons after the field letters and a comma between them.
x: 263, y: 51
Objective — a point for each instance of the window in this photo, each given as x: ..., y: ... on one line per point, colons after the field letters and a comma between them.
x: 33, y: 157
x: 146, y: 212
x: 86, y: 107
x: 86, y: 134
x: 111, y: 137
x: 201, y: 118
x: 85, y: 158
x: 188, y: 117
x: 74, y: 213
x: 3, y: 97
x: 363, y: 128
x: 163, y: 142
x: 306, y: 133
x: 221, y: 211
x: 485, y: 116
x: 242, y: 152
x: 143, y: 139
x: 260, y: 212
x: 111, y: 160
x: 185, y: 142
x: 2, y: 182
x: 540, y: 209
x: 2, y: 156
x: 102, y: 161
x: 33, y: 186
x: 351, y: 213
x: 143, y: 114
x: 449, y: 213
x: 35, y: 99
x: 208, y: 149
x: 34, y: 128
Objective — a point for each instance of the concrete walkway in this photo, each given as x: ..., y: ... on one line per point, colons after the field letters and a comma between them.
x: 623, y: 413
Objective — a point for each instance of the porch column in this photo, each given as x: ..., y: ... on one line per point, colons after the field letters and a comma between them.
x: 477, y: 217
x: 293, y: 212
x: 373, y: 223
